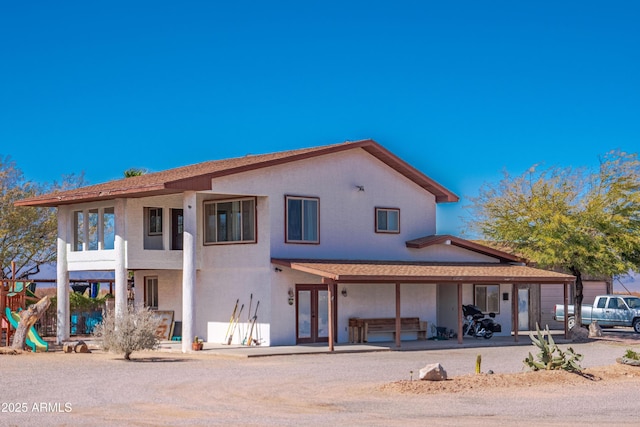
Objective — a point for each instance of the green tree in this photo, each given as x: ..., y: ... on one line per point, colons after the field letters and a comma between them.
x: 27, y: 234
x: 584, y: 221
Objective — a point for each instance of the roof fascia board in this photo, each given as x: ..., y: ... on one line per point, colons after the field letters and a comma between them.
x: 202, y: 182
x: 296, y: 265
x: 464, y: 244
x: 452, y: 280
x: 92, y: 196
x: 205, y: 180
x: 442, y: 194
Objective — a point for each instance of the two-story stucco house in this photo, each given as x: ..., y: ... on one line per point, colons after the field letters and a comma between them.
x: 317, y: 236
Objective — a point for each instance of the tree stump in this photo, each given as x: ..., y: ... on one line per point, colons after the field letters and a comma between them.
x: 28, y: 318
x: 81, y: 347
x: 75, y: 347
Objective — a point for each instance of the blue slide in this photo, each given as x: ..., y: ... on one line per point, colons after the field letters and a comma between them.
x: 33, y: 339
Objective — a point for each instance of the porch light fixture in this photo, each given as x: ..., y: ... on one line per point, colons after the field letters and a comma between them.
x: 291, y: 296
x: 277, y: 270
x: 344, y: 292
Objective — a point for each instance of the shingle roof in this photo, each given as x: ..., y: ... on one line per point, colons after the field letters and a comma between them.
x: 478, y: 247
x: 198, y: 176
x: 422, y: 272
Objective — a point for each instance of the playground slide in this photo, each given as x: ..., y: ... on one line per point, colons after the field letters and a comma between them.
x: 33, y: 339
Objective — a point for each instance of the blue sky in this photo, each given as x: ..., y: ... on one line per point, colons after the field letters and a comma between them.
x: 461, y: 90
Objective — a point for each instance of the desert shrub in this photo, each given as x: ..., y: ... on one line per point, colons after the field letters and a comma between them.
x: 551, y: 356
x: 133, y: 331
x: 630, y: 354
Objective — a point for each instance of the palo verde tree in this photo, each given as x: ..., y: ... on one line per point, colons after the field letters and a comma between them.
x: 584, y: 221
x: 27, y: 234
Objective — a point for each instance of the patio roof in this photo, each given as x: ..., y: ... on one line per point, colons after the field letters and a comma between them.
x: 342, y: 271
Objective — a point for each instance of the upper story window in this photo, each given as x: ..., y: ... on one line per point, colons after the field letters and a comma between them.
x: 230, y: 221
x: 302, y: 219
x: 387, y: 220
x: 108, y: 228
x: 93, y: 229
x: 487, y: 298
x: 154, y: 227
x: 154, y: 223
x: 78, y: 231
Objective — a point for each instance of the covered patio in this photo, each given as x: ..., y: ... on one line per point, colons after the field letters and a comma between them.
x: 397, y: 273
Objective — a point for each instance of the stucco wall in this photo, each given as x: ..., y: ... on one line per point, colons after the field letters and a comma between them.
x: 347, y: 216
x: 378, y: 300
x: 137, y: 255
x: 228, y: 272
x: 169, y: 289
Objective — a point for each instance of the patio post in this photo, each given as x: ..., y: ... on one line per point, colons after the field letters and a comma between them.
x: 330, y: 312
x: 460, y: 314
x: 398, y: 317
x: 566, y: 310
x: 514, y: 311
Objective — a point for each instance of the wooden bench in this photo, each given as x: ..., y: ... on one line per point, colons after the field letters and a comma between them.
x: 386, y: 325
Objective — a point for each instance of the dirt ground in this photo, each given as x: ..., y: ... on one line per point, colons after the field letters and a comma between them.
x: 618, y: 373
x: 370, y: 389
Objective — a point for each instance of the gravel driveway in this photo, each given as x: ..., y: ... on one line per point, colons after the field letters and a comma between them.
x: 310, y: 390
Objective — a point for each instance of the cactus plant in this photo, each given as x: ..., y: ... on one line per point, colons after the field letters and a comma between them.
x: 551, y: 356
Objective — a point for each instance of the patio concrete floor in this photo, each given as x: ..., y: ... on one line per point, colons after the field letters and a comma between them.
x: 215, y: 349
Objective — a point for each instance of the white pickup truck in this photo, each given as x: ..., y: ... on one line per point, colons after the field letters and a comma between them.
x: 607, y: 310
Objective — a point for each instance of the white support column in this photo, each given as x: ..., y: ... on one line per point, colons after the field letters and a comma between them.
x: 120, y: 254
x: 62, y: 279
x: 189, y: 269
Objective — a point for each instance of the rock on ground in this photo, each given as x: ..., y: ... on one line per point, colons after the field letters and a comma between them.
x: 433, y: 372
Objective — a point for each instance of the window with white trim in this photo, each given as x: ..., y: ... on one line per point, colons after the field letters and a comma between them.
x: 230, y: 221
x: 151, y: 292
x: 93, y: 229
x: 387, y: 220
x: 302, y: 219
x: 93, y: 220
x: 78, y: 231
x: 487, y: 298
x: 108, y: 228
